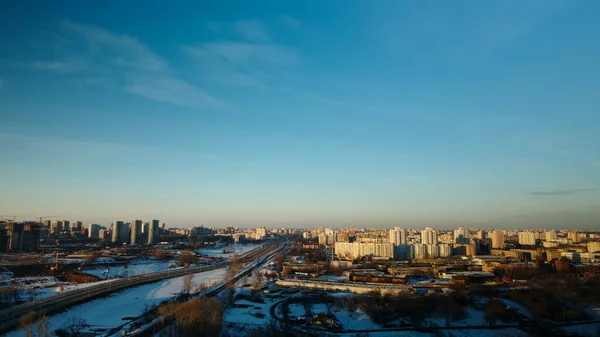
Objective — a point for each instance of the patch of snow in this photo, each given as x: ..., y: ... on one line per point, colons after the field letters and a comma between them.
x: 357, y: 320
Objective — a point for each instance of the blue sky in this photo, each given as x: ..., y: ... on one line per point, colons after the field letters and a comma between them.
x: 305, y: 113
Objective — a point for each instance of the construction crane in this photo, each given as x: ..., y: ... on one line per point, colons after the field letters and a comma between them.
x: 8, y: 217
x: 45, y: 217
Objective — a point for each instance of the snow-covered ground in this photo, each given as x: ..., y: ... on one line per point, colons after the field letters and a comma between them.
x: 319, y: 308
x: 109, y: 312
x: 296, y: 311
x: 357, y: 320
x: 132, y: 269
x: 237, y: 249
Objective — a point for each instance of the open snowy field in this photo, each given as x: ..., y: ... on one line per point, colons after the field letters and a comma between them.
x: 110, y: 311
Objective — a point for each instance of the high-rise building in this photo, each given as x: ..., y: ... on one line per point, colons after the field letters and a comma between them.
x: 471, y: 250
x: 153, y: 232
x: 445, y: 250
x: 419, y: 251
x: 56, y: 227
x: 402, y: 252
x: 117, y: 232
x: 76, y: 226
x: 306, y: 235
x: 433, y: 251
x: 260, y: 233
x: 428, y: 236
x: 331, y: 236
x: 593, y: 247
x: 480, y: 235
x: 497, y: 237
x: 527, y: 238
x: 94, y: 231
x: 461, y: 235
x: 551, y: 235
x: 136, y: 232
x: 574, y: 236
x: 22, y: 237
x: 397, y: 236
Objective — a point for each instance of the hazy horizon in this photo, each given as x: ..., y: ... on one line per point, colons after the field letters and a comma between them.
x: 389, y: 113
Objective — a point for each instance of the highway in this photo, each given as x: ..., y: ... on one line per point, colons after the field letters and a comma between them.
x: 9, y: 318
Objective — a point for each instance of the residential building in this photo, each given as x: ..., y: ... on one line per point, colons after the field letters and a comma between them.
x: 445, y: 250
x: 153, y: 232
x: 527, y: 238
x: 497, y: 237
x: 428, y: 236
x: 461, y: 235
x: 551, y: 235
x: 118, y: 231
x: 136, y: 232
x: 419, y: 251
x: 22, y: 237
x: 397, y: 236
x: 574, y: 236
x: 76, y: 226
x: 261, y: 233
x: 356, y: 250
x: 593, y: 247
x: 94, y: 231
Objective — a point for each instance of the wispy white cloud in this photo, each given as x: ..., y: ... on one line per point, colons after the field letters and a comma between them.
x: 481, y: 29
x: 125, y: 61
x: 252, y: 30
x: 250, y: 60
x: 172, y: 90
x: 65, y: 66
x: 290, y: 21
x: 126, y: 51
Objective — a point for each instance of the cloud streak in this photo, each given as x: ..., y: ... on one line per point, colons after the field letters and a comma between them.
x: 127, y: 62
x: 249, y: 59
x: 252, y: 30
x: 561, y: 192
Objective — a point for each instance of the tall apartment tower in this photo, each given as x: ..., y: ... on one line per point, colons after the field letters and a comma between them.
x: 398, y: 236
x: 93, y: 231
x: 497, y: 237
x: 551, y: 235
x: 153, y: 231
x: 136, y: 232
x: 117, y: 232
x: 461, y: 235
x: 428, y: 236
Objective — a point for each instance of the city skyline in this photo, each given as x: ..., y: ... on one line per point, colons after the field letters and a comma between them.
x: 301, y: 115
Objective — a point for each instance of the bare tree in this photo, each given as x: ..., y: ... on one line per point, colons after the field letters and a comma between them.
x: 26, y: 322
x: 43, y: 326
x: 235, y: 264
x: 279, y: 261
x: 258, y: 279
x: 186, y: 258
x: 74, y: 326
x: 187, y: 284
